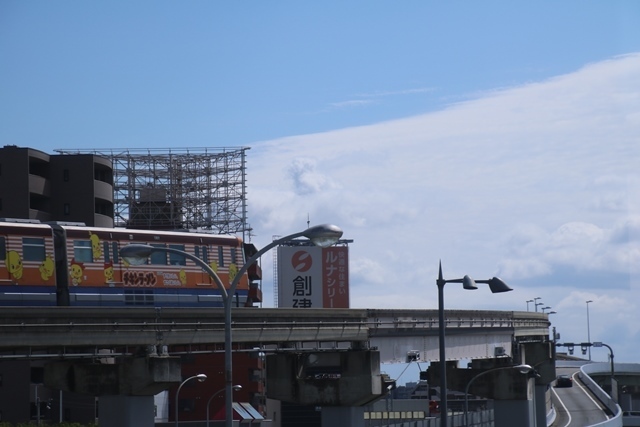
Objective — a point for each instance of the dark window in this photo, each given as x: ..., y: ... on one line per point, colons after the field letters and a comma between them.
x: 160, y: 257
x: 114, y: 251
x: 65, y: 175
x: 186, y: 405
x: 220, y: 257
x: 3, y: 248
x: 201, y: 252
x: 107, y: 253
x: 33, y: 249
x: 234, y: 259
x: 67, y: 209
x: 177, y: 259
x: 82, y: 251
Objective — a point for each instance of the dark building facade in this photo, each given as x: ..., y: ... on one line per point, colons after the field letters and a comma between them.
x: 39, y: 186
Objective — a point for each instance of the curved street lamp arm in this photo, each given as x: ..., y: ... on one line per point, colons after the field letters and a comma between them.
x: 329, y: 233
x: 257, y: 255
x: 137, y: 250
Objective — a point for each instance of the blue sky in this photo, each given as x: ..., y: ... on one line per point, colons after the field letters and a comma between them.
x: 498, y: 137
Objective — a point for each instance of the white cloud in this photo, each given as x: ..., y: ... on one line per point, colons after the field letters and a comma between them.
x: 539, y: 183
x: 306, y: 180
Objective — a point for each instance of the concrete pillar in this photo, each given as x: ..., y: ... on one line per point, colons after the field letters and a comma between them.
x: 342, y: 416
x: 120, y: 411
x: 125, y: 389
x: 540, y: 409
x: 329, y: 378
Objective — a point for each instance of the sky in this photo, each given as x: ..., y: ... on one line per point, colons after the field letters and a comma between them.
x: 499, y: 138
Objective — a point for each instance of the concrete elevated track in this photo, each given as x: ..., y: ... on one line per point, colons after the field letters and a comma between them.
x: 55, y: 332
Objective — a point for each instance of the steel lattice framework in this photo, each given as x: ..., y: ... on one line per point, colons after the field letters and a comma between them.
x: 190, y: 188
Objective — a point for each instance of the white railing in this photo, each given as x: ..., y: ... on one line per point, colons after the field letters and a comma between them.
x: 602, y: 368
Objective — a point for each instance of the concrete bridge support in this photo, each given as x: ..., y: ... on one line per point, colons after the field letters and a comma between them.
x: 126, y: 387
x: 342, y: 382
x: 519, y: 399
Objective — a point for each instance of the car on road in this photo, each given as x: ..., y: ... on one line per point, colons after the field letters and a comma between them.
x: 564, y: 381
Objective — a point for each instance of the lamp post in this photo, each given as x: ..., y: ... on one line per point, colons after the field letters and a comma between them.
x: 236, y: 387
x: 523, y: 369
x: 588, y: 328
x: 496, y: 285
x: 545, y: 308
x: 528, y: 301
x: 323, y: 235
x: 199, y: 377
x: 535, y: 303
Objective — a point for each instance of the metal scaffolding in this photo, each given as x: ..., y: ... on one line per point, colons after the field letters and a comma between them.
x: 190, y: 188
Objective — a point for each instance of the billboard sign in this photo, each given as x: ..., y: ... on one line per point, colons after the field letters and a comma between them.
x: 313, y: 277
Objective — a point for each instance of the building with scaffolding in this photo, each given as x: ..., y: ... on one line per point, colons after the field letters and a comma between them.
x: 189, y: 188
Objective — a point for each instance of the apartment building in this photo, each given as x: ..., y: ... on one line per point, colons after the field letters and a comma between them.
x: 62, y: 187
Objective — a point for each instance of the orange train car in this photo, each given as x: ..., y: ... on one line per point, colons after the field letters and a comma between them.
x: 46, y: 264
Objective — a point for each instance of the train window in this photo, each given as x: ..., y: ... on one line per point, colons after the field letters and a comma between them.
x: 158, y: 258
x: 3, y: 248
x: 233, y: 256
x: 177, y: 259
x: 114, y: 251
x: 33, y: 249
x: 202, y: 253
x: 106, y: 252
x: 220, y: 257
x: 82, y: 251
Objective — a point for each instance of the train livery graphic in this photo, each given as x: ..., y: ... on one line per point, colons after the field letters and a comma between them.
x: 47, y: 264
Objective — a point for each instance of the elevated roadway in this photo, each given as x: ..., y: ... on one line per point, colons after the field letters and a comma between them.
x: 110, y: 335
x: 71, y: 331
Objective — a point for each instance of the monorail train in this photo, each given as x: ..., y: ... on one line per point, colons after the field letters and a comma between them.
x: 48, y: 264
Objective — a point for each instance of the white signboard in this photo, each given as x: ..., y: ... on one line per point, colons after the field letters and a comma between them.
x: 313, y: 277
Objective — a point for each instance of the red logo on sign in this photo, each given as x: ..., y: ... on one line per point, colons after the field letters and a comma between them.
x: 301, y: 261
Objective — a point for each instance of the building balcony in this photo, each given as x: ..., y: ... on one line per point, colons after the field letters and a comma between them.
x: 255, y: 272
x: 39, y: 185
x: 103, y: 190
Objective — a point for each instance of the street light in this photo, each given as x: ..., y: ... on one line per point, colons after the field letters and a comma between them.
x: 199, y: 377
x: 545, y: 308
x: 528, y: 301
x: 523, y: 369
x: 496, y: 285
x: 535, y: 303
x: 323, y: 235
x: 236, y: 387
x: 588, y: 329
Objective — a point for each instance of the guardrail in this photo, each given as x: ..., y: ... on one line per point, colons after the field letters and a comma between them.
x: 611, y: 405
x: 398, y: 319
